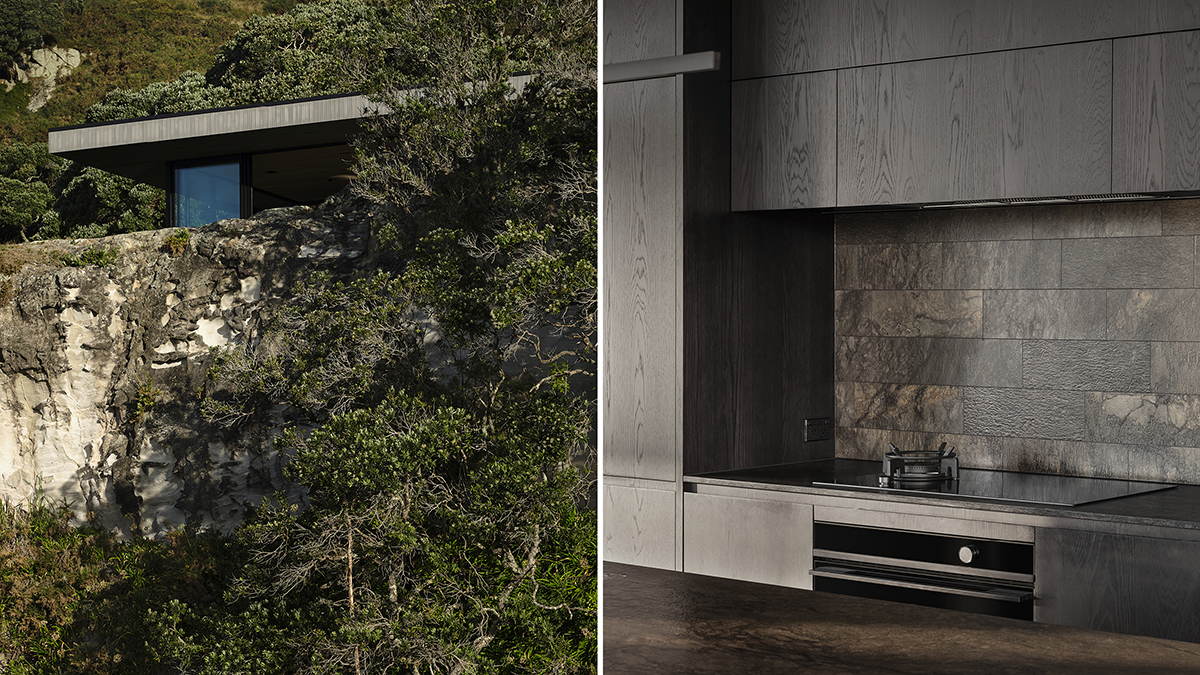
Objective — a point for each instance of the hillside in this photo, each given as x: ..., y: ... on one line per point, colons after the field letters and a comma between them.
x: 150, y: 57
x: 127, y: 45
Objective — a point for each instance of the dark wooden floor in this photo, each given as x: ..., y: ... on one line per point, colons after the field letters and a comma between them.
x: 663, y: 623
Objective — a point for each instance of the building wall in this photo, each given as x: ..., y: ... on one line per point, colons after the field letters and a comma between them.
x: 1052, y: 339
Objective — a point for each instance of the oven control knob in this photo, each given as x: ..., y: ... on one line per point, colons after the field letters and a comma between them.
x: 968, y: 554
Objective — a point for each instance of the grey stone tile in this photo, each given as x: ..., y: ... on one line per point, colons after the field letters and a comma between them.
x: 1045, y: 314
x: 1037, y: 455
x: 1134, y: 262
x: 981, y: 224
x: 1175, y: 367
x: 1086, y: 365
x: 911, y: 407
x: 843, y: 404
x: 979, y: 452
x: 863, y: 443
x: 1024, y: 413
x: 1167, y: 464
x: 888, y: 266
x: 1181, y: 216
x: 853, y: 443
x: 1166, y: 315
x: 896, y: 227
x: 949, y: 361
x: 1003, y: 264
x: 1112, y: 219
x: 909, y: 313
x: 1144, y: 419
x: 893, y: 227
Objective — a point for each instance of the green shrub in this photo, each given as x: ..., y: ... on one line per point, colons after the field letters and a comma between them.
x: 93, y: 256
x: 177, y: 241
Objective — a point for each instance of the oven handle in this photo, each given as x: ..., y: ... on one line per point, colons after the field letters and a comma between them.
x: 847, y: 574
x: 851, y: 558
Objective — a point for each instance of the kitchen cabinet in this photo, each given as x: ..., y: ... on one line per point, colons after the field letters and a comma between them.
x: 784, y: 132
x: 922, y: 131
x: 1118, y: 583
x: 1057, y: 120
x: 1156, y: 113
x: 779, y: 37
x: 641, y: 241
x: 1124, y: 565
x: 641, y: 440
x: 639, y: 519
x: 1018, y: 124
x: 641, y: 434
x: 636, y: 30
x: 762, y: 540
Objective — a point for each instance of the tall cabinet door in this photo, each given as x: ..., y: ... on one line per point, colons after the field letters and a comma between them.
x: 641, y: 233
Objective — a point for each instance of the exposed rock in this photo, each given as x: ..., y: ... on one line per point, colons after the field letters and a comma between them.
x: 77, y: 344
x: 43, y: 67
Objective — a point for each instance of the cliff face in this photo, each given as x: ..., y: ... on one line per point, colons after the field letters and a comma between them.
x: 101, y: 366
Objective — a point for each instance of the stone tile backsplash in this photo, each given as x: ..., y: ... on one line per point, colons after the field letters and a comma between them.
x: 1054, y: 339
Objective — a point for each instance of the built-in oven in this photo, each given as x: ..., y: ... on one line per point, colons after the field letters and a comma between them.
x: 970, y: 574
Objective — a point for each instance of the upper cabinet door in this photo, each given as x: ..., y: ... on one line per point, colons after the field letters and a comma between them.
x: 1024, y: 123
x: 784, y: 134
x: 779, y: 37
x: 636, y: 30
x: 923, y: 131
x: 1058, y: 120
x: 1156, y: 116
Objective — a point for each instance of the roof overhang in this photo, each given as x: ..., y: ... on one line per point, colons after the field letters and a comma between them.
x: 141, y: 148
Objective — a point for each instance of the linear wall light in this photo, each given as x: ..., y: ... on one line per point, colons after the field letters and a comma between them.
x: 696, y: 62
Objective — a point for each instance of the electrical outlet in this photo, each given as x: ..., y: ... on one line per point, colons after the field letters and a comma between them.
x: 818, y: 429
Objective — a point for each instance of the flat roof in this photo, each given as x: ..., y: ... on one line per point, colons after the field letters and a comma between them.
x: 140, y: 148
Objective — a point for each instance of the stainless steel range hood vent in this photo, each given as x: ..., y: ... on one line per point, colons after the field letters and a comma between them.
x: 1029, y: 201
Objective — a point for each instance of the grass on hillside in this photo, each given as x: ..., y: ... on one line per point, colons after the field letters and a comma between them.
x: 128, y: 45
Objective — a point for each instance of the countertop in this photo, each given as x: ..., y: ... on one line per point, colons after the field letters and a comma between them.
x: 1178, y: 507
x: 664, y: 622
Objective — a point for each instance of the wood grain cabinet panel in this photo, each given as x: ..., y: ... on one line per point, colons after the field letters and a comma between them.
x: 776, y: 37
x: 920, y: 132
x: 639, y: 525
x: 641, y: 231
x: 635, y: 30
x: 780, y: 37
x: 784, y: 132
x: 1122, y: 584
x: 757, y: 540
x: 1058, y: 120
x: 1156, y: 113
x: 1025, y: 123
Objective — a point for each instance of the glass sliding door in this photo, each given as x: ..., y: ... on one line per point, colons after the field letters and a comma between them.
x: 207, y: 193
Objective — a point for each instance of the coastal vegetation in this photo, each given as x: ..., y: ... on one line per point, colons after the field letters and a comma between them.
x: 445, y: 398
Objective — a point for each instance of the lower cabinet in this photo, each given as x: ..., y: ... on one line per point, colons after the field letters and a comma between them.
x: 639, y: 525
x: 748, y: 539
x: 1118, y: 583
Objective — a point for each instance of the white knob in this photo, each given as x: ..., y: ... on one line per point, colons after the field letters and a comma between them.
x: 967, y: 554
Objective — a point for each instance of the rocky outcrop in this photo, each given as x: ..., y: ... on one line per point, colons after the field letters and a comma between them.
x: 43, y: 67
x: 101, y: 365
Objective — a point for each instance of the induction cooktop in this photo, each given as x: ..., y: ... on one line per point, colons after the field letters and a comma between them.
x: 1008, y: 486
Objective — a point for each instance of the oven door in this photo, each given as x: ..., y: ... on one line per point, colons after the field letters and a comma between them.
x: 974, y: 575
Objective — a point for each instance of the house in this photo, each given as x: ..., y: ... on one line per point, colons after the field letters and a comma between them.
x: 228, y: 162
x: 905, y: 222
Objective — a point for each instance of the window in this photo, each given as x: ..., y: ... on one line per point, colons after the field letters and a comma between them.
x: 205, y: 194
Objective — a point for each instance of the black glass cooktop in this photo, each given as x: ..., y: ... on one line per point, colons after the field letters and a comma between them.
x: 1008, y: 486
